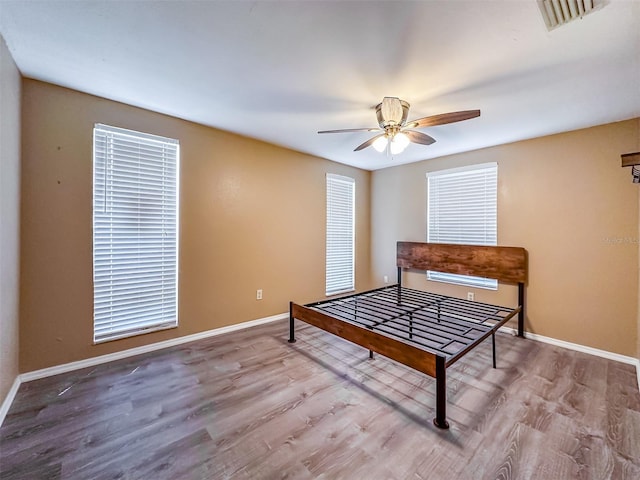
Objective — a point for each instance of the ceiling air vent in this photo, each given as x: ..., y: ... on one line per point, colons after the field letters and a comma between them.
x: 560, y: 12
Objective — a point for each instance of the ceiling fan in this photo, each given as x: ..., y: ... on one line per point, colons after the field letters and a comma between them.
x: 396, y: 132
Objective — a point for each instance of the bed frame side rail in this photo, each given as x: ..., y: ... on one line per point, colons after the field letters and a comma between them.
x: 404, y: 353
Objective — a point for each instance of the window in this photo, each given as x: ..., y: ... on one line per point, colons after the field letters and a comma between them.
x: 340, y: 276
x: 135, y: 233
x: 462, y: 208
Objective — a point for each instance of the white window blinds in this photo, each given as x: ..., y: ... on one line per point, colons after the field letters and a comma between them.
x: 135, y: 232
x: 462, y: 208
x: 340, y: 276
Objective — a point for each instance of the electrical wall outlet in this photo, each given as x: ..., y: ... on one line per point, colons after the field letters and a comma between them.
x: 471, y: 296
x: 259, y: 294
x: 386, y: 279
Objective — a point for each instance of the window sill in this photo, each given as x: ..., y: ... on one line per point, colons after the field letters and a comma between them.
x: 135, y: 334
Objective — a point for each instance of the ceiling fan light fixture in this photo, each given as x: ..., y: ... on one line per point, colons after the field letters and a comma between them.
x: 398, y: 143
x: 380, y: 144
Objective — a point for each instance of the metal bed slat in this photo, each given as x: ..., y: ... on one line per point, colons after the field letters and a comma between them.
x: 448, y: 326
x: 391, y: 331
x: 430, y: 321
x: 479, y: 311
x: 364, y: 310
x: 470, y: 310
x: 399, y: 310
x: 445, y: 311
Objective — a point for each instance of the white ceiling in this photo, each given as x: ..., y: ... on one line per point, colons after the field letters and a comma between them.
x: 280, y: 71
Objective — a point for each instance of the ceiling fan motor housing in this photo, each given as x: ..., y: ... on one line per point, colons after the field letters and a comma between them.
x: 391, y: 112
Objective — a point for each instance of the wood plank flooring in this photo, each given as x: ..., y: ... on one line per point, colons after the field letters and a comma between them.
x: 248, y: 405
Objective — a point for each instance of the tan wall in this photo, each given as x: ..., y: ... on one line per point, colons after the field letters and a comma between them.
x: 252, y: 215
x: 566, y: 199
x: 9, y: 218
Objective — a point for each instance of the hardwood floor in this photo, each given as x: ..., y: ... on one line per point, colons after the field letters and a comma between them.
x: 248, y: 405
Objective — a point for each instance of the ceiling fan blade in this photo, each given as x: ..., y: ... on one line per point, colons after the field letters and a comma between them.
x: 368, y: 143
x: 419, y: 137
x: 443, y: 119
x: 347, y: 130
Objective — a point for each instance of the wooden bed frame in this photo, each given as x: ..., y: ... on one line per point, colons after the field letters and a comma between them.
x: 425, y: 331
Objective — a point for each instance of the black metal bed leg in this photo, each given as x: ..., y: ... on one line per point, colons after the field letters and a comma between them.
x: 441, y: 394
x: 493, y: 345
x: 411, y: 325
x: 292, y: 337
x: 521, y: 313
x: 370, y: 353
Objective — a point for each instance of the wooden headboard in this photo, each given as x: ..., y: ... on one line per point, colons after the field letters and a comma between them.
x: 505, y: 264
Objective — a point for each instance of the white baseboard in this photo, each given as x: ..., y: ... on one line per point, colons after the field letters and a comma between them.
x: 90, y: 362
x: 580, y: 348
x: 8, y: 400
